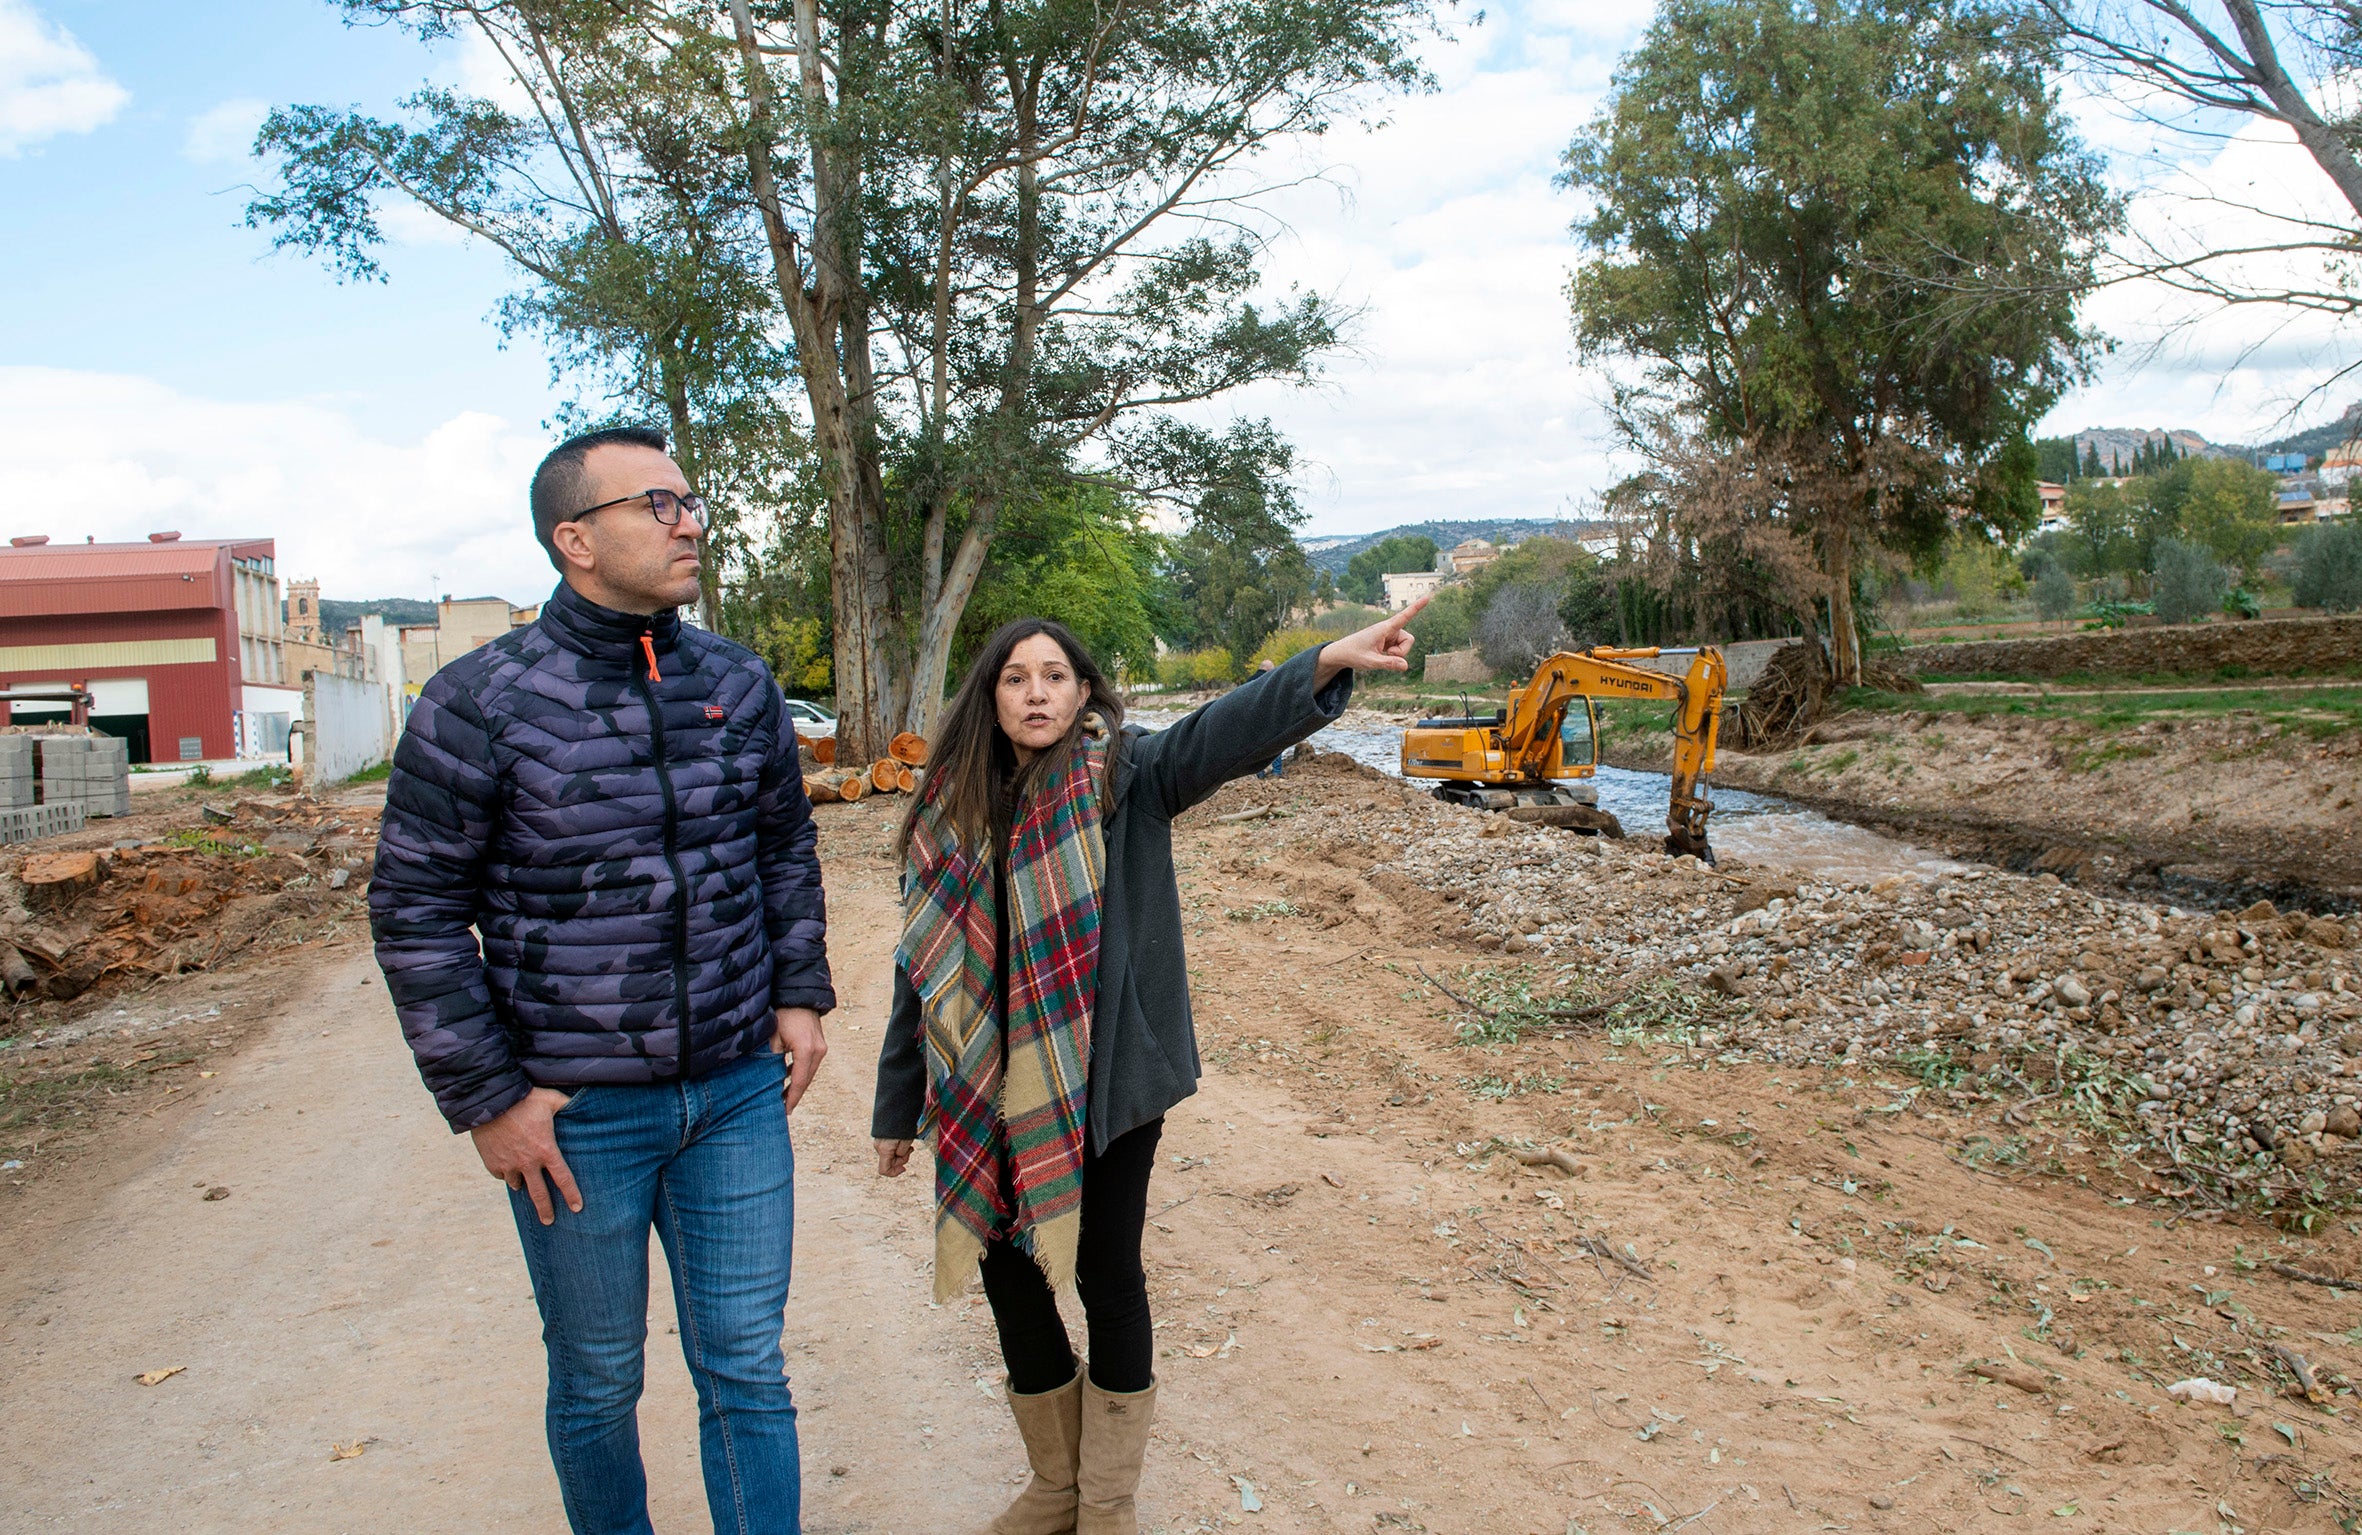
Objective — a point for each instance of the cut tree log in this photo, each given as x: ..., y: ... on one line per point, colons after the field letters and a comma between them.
x: 909, y: 748
x: 15, y: 974
x: 53, y: 879
x: 854, y: 788
x: 822, y: 748
x: 820, y: 791
x: 906, y: 781
x: 885, y: 776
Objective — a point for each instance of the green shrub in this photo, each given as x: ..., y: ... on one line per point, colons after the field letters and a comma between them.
x: 1347, y: 617
x: 1286, y: 644
x: 2188, y: 582
x: 2054, y: 591
x: 1194, y: 668
x: 2329, y: 568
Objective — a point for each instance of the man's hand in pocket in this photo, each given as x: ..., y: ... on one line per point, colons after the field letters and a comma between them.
x: 520, y: 1148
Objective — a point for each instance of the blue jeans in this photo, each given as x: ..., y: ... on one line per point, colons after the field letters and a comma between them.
x: 709, y: 1165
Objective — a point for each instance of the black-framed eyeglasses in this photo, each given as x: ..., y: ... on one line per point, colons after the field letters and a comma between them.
x: 663, y: 504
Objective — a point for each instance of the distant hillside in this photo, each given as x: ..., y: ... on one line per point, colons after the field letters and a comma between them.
x: 2122, y: 445
x: 336, y: 613
x: 1332, y: 553
x: 2316, y: 440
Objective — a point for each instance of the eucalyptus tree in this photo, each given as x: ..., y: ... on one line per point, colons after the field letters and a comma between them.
x: 593, y: 175
x: 1841, y: 243
x: 1004, y: 245
x: 1013, y: 238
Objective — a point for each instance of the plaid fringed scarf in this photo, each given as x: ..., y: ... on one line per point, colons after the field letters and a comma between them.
x: 1029, y: 1107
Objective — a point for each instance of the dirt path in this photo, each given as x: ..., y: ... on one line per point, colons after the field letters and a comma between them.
x: 1755, y: 1308
x: 361, y: 1282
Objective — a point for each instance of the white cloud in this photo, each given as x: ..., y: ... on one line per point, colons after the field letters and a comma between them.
x: 404, y: 222
x: 116, y: 458
x: 224, y: 134
x: 488, y: 71
x: 1461, y: 397
x: 49, y: 83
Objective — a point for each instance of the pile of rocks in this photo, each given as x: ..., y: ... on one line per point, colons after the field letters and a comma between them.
x: 2225, y: 1043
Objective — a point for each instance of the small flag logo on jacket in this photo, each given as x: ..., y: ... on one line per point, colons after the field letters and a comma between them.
x: 716, y: 712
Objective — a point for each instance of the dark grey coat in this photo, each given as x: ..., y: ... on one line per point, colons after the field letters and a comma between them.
x: 1143, y: 1041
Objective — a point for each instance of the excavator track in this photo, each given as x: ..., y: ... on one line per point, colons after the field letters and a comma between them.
x: 1574, y: 807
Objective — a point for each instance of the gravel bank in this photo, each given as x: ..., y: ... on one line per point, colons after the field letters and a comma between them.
x: 2216, y: 1051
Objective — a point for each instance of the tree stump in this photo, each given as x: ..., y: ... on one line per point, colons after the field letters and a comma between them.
x: 54, y: 879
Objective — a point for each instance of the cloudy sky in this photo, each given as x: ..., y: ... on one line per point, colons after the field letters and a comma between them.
x: 160, y: 368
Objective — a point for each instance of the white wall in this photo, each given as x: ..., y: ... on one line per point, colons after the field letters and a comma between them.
x: 345, y: 725
x: 384, y: 641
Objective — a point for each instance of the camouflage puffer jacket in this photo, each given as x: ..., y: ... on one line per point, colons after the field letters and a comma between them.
x: 615, y: 804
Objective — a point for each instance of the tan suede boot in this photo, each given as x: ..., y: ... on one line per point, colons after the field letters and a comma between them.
x: 1051, y: 1425
x: 1115, y: 1441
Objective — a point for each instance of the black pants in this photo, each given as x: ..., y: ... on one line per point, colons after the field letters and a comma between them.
x: 1107, y: 1274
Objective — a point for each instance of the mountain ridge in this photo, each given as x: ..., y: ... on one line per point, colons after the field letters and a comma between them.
x: 1333, y: 552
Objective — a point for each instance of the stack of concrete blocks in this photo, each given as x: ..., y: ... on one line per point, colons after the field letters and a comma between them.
x: 16, y: 773
x: 91, y: 771
x: 22, y: 817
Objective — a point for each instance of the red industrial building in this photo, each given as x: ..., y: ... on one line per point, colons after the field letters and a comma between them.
x: 168, y: 635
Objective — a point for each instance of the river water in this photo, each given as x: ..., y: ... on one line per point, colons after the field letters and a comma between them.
x: 1755, y: 828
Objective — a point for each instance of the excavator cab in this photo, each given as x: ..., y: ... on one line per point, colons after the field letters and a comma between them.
x: 1478, y: 770
x: 1578, y: 736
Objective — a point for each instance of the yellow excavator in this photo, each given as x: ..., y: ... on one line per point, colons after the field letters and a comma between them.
x: 1531, y: 758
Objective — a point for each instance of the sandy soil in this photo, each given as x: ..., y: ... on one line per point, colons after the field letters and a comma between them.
x: 2214, y: 809
x: 1756, y: 1307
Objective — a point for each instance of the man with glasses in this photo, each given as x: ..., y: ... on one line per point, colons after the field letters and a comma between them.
x: 610, y: 801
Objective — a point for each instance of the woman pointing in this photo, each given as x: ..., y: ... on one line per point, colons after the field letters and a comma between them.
x: 1041, y: 1022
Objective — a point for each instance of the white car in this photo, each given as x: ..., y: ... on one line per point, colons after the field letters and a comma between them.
x: 809, y: 718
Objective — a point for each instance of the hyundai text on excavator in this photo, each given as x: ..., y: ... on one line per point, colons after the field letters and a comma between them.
x: 1530, y: 759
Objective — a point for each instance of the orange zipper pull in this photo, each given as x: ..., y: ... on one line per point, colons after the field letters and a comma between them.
x: 648, y: 644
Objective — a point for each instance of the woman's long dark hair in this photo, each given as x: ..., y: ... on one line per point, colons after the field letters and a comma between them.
x: 973, y: 777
